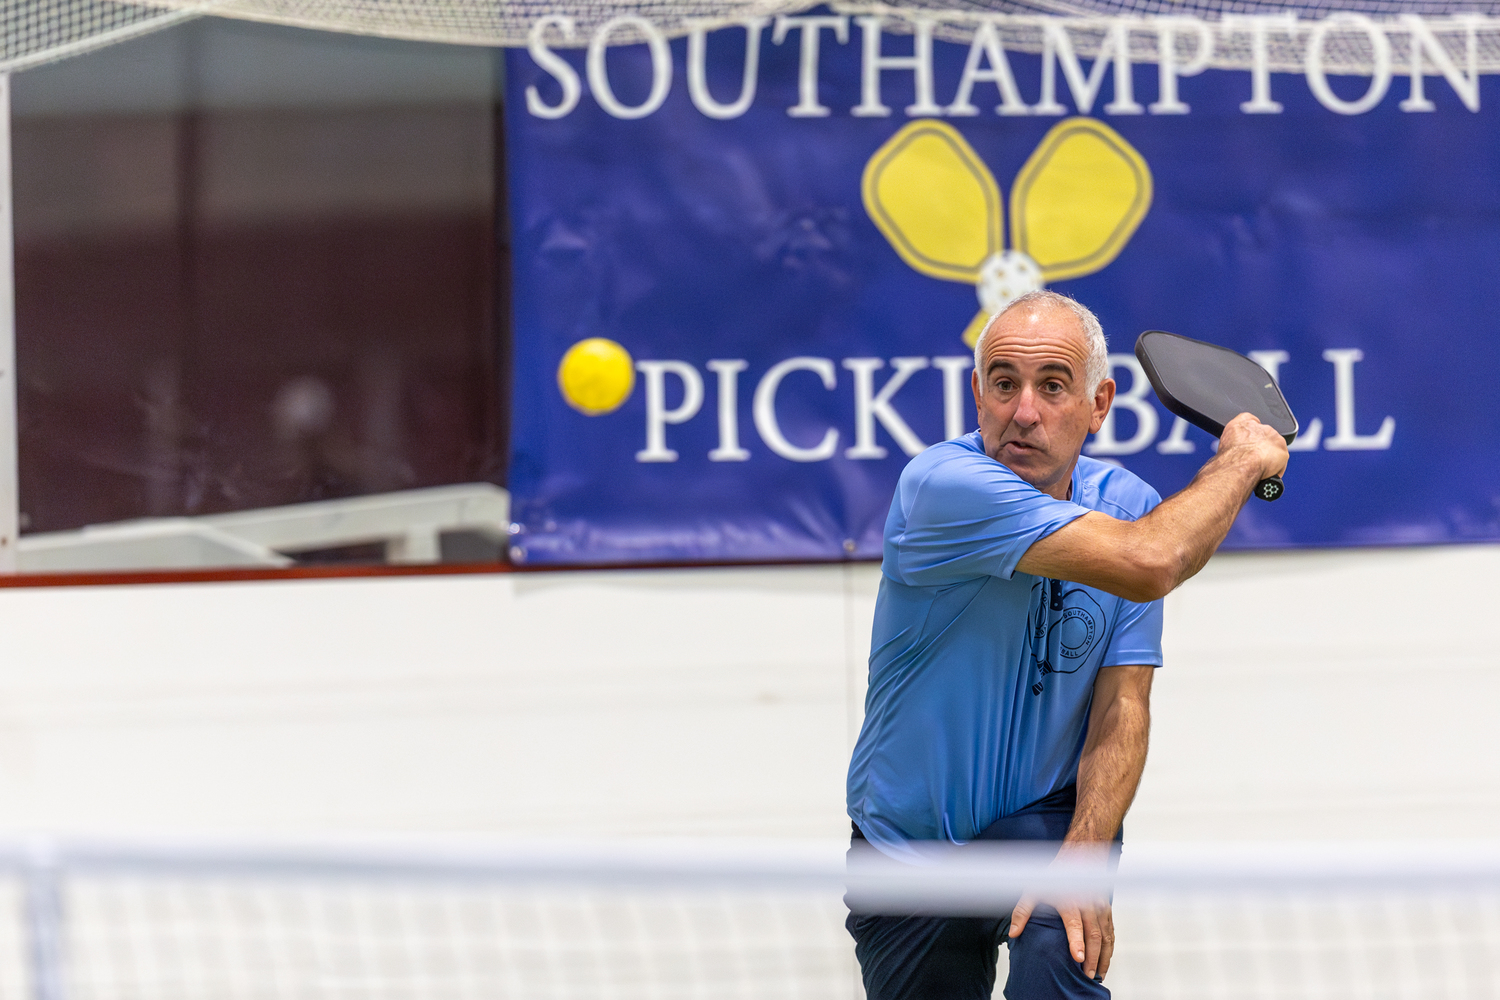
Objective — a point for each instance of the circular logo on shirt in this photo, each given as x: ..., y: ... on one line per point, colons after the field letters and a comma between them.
x: 1074, y: 632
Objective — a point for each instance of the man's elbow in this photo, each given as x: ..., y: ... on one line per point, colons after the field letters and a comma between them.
x: 1154, y: 573
x: 1140, y: 592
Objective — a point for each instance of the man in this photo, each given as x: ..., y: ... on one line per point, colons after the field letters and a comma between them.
x: 1017, y: 629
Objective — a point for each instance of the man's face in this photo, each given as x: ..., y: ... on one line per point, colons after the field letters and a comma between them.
x: 1035, y: 410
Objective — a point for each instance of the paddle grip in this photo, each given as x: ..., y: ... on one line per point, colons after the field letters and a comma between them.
x: 1270, y: 489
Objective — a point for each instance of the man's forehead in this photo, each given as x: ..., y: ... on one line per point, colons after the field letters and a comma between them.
x: 1050, y: 333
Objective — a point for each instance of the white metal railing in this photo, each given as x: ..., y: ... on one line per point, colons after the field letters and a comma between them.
x: 409, y: 524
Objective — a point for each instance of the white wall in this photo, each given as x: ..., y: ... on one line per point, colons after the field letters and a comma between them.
x: 1306, y: 694
x: 616, y: 702
x: 1330, y: 694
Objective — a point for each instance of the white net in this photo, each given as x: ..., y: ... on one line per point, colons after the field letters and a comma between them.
x: 1411, y: 944
x: 710, y: 921
x: 1360, y: 36
x: 38, y: 31
x: 199, y: 938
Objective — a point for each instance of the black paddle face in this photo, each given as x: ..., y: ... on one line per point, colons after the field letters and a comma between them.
x: 1208, y: 385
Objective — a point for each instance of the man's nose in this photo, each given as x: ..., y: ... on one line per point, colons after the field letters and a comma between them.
x: 1026, y: 412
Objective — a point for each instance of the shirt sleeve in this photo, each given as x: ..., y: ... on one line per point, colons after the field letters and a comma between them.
x: 972, y: 517
x: 1137, y: 637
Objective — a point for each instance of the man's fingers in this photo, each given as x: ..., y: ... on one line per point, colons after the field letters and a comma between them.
x: 1072, y: 921
x: 1246, y: 431
x: 1099, y: 939
x: 1108, y: 950
x: 1093, y: 940
x: 1020, y: 915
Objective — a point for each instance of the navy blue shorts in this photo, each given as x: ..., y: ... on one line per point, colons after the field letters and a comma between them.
x: 954, y: 958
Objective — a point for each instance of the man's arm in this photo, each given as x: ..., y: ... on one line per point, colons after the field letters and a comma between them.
x: 1146, y: 559
x: 1114, y: 752
x: 1114, y: 755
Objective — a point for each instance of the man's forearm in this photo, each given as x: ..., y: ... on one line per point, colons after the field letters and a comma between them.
x: 1188, y: 526
x: 1114, y: 755
x: 1145, y: 560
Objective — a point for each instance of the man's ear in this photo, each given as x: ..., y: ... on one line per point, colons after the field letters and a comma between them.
x: 1104, y: 397
x: 974, y: 384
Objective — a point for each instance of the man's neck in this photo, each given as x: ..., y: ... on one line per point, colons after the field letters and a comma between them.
x: 1063, y: 488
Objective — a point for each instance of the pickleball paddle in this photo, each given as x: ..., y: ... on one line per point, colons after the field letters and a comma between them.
x: 1208, y: 386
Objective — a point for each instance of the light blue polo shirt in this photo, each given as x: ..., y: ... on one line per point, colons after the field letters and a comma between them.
x: 981, y: 677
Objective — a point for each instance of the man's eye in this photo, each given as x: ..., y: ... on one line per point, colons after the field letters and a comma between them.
x: 1004, y: 385
x: 1053, y: 387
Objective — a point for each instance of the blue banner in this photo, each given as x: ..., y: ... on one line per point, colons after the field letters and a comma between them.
x: 749, y: 266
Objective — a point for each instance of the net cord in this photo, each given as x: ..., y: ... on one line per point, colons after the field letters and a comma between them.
x: 940, y: 871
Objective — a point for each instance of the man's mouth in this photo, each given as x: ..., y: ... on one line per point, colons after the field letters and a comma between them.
x: 1020, y: 446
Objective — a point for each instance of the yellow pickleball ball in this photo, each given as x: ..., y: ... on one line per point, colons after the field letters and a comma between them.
x: 596, y: 376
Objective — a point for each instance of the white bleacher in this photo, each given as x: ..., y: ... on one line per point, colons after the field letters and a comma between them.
x: 409, y: 523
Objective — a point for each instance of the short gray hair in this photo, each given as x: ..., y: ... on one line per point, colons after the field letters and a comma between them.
x: 1095, y: 370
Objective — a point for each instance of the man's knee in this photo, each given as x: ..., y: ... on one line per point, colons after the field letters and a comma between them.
x: 1042, y: 965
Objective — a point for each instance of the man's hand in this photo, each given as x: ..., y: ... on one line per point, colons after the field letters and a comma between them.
x: 1088, y: 918
x: 1258, y: 442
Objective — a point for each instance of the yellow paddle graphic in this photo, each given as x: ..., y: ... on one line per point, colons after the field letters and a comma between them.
x: 1076, y: 203
x: 935, y: 200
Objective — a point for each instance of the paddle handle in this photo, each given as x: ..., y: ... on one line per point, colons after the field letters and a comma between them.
x: 1270, y: 489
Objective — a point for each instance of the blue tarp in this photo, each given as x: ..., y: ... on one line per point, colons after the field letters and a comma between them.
x: 716, y: 251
